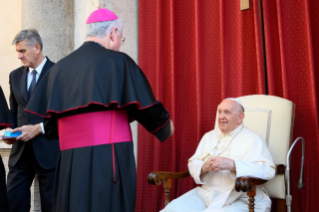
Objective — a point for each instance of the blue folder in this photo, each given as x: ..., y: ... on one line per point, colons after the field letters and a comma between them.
x: 8, y: 134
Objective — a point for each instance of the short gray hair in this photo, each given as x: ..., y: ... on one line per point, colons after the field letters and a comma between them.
x: 102, y: 29
x: 31, y: 37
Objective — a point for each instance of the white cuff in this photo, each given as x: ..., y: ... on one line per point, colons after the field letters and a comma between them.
x: 202, y: 178
x: 233, y: 175
x: 195, y: 168
x: 42, y: 127
x: 254, y: 169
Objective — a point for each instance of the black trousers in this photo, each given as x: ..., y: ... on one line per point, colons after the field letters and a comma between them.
x: 20, y: 178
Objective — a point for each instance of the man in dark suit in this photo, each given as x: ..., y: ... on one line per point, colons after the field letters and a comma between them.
x: 32, y: 152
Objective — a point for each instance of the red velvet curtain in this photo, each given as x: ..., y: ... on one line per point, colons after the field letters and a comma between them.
x: 292, y: 55
x: 195, y: 53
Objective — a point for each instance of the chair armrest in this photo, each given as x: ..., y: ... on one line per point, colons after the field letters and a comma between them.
x: 246, y: 184
x: 280, y: 169
x: 156, y: 178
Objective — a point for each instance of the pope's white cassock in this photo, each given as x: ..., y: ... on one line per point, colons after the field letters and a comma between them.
x: 217, y: 193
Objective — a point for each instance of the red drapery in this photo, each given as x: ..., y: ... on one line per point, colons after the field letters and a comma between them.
x: 292, y: 55
x: 195, y: 53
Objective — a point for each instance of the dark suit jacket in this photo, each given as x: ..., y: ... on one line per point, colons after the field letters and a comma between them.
x: 46, y: 150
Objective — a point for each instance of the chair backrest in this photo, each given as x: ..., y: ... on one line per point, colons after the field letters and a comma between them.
x: 272, y: 118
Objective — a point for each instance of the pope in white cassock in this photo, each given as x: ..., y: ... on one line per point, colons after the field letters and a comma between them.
x: 223, y: 154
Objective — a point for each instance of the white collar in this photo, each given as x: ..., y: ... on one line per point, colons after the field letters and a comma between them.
x: 232, y: 133
x: 40, y: 67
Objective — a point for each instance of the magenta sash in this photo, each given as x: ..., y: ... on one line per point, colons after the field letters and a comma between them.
x: 95, y: 128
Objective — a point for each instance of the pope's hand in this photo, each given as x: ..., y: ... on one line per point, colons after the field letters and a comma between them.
x: 218, y: 163
x: 222, y: 163
x: 207, y: 166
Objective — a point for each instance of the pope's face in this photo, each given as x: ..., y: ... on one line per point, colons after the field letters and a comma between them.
x: 27, y: 55
x: 229, y: 117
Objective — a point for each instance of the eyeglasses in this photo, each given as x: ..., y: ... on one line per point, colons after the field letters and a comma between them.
x: 122, y: 37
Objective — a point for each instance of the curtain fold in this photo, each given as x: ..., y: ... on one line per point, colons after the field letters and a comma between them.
x: 291, y: 40
x: 196, y: 53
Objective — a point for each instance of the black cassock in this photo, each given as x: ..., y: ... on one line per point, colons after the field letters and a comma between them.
x: 95, y: 79
x: 4, y: 123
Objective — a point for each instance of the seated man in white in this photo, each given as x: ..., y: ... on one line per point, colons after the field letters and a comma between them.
x: 222, y: 155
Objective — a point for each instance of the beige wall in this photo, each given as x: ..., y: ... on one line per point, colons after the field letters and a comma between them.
x: 10, y: 16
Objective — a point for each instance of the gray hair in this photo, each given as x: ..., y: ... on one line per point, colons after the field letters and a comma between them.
x: 31, y: 37
x: 102, y: 29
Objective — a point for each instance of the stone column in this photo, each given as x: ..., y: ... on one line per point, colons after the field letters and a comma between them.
x: 55, y: 22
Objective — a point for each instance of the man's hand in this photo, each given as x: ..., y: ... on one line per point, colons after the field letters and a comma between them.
x: 218, y: 163
x: 11, y: 140
x: 28, y: 132
x: 222, y: 163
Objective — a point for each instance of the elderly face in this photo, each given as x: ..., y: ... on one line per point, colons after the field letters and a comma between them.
x: 27, y: 55
x: 229, y: 116
x: 115, y: 41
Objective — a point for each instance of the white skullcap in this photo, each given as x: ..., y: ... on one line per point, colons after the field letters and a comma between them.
x: 236, y: 100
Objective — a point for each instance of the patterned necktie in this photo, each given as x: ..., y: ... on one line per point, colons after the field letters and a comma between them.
x: 33, y: 82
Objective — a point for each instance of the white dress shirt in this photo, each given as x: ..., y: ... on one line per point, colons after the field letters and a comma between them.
x: 29, y: 80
